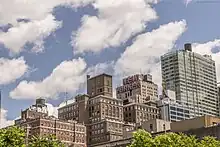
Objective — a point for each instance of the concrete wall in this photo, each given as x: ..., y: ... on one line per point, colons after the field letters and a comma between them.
x: 195, y: 123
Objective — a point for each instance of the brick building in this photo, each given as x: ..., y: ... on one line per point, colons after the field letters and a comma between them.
x: 36, y: 122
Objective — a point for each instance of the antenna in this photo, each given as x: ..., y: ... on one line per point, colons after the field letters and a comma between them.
x: 66, y: 97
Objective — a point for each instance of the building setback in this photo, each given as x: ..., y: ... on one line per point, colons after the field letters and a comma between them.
x: 193, y: 78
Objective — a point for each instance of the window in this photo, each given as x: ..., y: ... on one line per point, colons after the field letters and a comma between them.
x: 164, y: 127
x: 151, y: 127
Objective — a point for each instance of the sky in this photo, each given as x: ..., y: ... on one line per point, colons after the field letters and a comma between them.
x: 48, y: 47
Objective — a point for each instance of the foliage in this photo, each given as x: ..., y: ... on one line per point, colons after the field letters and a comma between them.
x: 15, y: 137
x: 142, y: 138
x: 46, y: 141
x: 12, y: 137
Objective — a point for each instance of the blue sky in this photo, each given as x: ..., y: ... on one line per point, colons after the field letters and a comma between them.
x: 197, y: 23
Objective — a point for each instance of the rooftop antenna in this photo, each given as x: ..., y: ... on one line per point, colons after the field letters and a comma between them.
x: 66, y: 97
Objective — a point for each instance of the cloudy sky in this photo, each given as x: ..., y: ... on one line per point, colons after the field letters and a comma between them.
x: 48, y: 47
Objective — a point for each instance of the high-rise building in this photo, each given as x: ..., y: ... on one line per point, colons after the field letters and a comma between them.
x: 193, y: 78
x: 36, y: 122
x: 105, y: 119
x: 137, y: 89
x: 139, y: 95
x: 99, y: 85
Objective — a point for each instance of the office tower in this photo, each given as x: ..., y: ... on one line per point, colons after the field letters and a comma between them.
x: 137, y: 89
x: 99, y: 85
x: 105, y: 119
x: 36, y: 122
x: 139, y: 95
x: 193, y: 78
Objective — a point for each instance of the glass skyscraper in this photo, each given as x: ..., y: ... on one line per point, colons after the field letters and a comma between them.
x: 193, y: 78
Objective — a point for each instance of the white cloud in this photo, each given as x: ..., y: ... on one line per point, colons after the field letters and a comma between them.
x: 100, y: 68
x: 33, y: 10
x: 4, y: 122
x: 12, y: 69
x: 41, y: 21
x: 144, y: 54
x: 66, y: 77
x: 66, y: 103
x: 69, y: 76
x: 206, y: 48
x: 31, y: 32
x: 52, y: 111
x: 116, y: 22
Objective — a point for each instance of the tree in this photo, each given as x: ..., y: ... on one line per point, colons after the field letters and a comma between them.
x: 12, y: 137
x: 15, y: 137
x: 142, y: 138
x: 45, y: 141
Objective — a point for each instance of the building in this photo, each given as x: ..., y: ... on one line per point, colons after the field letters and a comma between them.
x: 193, y: 78
x: 155, y: 125
x: 137, y: 113
x: 137, y: 89
x: 75, y: 111
x: 195, y: 123
x: 36, y: 122
x: 200, y: 133
x: 172, y: 109
x: 105, y: 118
x: 99, y: 85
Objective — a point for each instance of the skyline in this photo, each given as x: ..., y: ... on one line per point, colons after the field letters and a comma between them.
x: 67, y: 43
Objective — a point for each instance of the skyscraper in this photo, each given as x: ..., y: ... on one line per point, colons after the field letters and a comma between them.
x: 193, y: 78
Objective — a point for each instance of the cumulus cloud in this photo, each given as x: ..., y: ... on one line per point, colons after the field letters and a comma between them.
x: 100, y: 68
x: 33, y: 10
x: 31, y: 32
x: 12, y: 69
x: 66, y: 77
x: 4, y: 122
x: 39, y: 25
x: 52, y: 110
x: 144, y: 54
x: 207, y: 48
x: 116, y: 22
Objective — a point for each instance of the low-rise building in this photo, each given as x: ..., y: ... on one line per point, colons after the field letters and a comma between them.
x: 36, y: 122
x: 195, y: 123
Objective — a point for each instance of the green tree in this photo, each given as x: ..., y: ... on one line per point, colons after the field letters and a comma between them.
x: 142, y: 138
x: 45, y: 141
x: 12, y: 137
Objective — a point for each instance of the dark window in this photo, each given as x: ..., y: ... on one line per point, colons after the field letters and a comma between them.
x: 151, y: 127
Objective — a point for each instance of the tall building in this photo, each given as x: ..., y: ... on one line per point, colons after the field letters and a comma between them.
x: 137, y: 89
x: 105, y: 119
x: 139, y: 95
x: 36, y: 122
x: 193, y: 78
x: 99, y: 85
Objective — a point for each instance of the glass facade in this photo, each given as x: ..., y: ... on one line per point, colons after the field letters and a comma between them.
x: 193, y: 78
